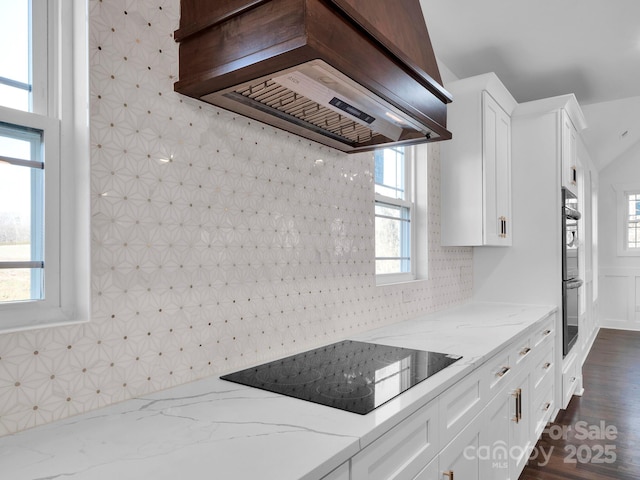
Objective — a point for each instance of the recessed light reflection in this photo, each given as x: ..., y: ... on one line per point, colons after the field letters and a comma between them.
x: 394, y: 117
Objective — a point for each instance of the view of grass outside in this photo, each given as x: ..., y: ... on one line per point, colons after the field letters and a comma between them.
x: 15, y: 283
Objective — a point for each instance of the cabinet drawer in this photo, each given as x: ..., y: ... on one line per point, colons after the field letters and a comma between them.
x: 340, y: 473
x: 459, y: 404
x: 569, y: 379
x: 543, y: 407
x: 543, y: 366
x: 544, y: 332
x: 401, y: 452
x: 521, y: 351
x: 498, y: 372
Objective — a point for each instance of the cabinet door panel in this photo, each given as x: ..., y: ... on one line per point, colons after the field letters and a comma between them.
x: 462, y: 455
x: 569, y: 154
x: 401, y: 452
x: 430, y: 472
x: 459, y: 405
x: 503, y: 174
x: 520, y: 431
x: 500, y: 414
x: 496, y: 138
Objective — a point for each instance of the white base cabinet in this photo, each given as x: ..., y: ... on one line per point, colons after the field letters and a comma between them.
x: 401, y: 452
x: 460, y: 458
x: 570, y: 373
x: 483, y: 427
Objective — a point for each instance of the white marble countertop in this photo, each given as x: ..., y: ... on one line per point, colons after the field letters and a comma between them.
x: 212, y: 429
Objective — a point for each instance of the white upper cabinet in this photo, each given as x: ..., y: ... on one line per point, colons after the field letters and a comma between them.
x: 569, y: 154
x: 476, y: 164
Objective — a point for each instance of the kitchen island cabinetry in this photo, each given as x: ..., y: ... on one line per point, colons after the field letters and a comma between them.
x: 476, y: 164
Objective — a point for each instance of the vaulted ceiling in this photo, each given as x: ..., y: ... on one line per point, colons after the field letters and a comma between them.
x: 540, y: 49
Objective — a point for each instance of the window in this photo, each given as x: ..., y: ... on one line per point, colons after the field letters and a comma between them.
x: 633, y: 220
x: 628, y: 223
x: 21, y: 213
x: 394, y: 210
x: 39, y: 181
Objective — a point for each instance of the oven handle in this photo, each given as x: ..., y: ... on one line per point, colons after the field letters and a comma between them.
x: 573, y: 283
x: 571, y: 213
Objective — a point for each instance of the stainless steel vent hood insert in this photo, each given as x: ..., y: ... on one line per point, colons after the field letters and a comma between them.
x: 294, y: 70
x: 318, y: 97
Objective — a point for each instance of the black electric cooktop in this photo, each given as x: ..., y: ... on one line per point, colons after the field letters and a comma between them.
x: 349, y: 375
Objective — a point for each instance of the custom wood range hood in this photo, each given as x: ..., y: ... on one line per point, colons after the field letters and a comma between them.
x: 351, y: 74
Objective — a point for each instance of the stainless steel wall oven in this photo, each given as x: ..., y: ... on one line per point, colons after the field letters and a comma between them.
x: 571, y: 281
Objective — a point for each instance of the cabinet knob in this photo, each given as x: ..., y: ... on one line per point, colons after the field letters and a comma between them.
x: 546, y: 365
x: 525, y: 351
x: 546, y: 332
x: 503, y: 371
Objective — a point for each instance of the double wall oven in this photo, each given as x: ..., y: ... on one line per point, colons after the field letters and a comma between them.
x: 571, y: 281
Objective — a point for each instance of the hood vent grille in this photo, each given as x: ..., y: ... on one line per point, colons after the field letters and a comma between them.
x: 273, y: 98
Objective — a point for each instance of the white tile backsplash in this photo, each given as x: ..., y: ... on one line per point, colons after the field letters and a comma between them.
x: 217, y: 242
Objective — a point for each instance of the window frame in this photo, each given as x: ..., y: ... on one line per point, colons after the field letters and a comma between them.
x: 60, y: 111
x: 410, y: 204
x: 623, y: 191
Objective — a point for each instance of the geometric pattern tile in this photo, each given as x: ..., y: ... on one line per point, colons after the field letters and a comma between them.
x: 217, y: 242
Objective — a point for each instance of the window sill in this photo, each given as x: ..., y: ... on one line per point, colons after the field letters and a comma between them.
x: 629, y: 252
x: 396, y: 279
x: 30, y: 316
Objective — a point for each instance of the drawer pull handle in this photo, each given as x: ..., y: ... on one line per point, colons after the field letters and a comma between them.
x: 546, y: 366
x: 503, y: 371
x: 546, y: 332
x: 547, y: 406
x: 518, y: 396
x: 525, y: 351
x: 449, y: 474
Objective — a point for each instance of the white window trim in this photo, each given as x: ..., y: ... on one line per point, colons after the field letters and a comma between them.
x: 622, y: 190
x: 410, y: 189
x: 67, y: 210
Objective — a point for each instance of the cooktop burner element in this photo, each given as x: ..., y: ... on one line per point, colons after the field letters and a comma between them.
x: 349, y: 375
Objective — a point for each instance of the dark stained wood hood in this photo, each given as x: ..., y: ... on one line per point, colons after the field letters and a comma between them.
x: 246, y: 56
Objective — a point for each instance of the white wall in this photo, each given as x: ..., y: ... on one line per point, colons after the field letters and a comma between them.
x: 240, y: 249
x: 619, y: 275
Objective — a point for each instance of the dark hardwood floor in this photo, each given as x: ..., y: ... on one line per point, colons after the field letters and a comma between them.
x: 611, y: 400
